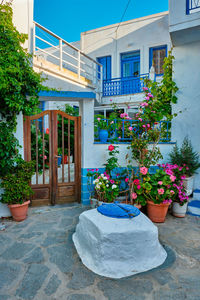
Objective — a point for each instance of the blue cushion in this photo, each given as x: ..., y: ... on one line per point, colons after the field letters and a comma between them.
x: 118, y: 210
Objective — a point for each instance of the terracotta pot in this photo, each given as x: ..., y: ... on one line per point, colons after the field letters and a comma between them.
x: 178, y: 210
x: 139, y: 206
x: 19, y: 211
x: 157, y: 212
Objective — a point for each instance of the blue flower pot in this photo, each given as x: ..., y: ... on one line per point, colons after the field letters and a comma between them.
x: 59, y: 160
x: 103, y: 135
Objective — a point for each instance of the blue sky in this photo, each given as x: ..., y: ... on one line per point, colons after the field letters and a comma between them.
x: 68, y: 18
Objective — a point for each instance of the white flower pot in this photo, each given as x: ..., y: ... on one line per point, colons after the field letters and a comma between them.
x: 178, y: 210
x: 188, y: 183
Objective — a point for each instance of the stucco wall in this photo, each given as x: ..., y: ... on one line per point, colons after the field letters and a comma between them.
x: 186, y: 75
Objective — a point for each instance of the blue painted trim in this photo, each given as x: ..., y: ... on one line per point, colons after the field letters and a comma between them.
x: 151, y: 55
x: 131, y: 60
x: 67, y: 94
x: 187, y: 7
x: 106, y: 62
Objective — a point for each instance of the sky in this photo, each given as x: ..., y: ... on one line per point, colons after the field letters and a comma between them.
x: 68, y: 18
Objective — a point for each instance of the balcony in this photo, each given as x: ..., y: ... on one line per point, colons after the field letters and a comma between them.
x: 192, y: 6
x: 118, y: 131
x: 124, y: 86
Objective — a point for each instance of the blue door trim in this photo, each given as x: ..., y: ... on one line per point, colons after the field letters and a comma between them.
x: 151, y: 55
x: 131, y: 59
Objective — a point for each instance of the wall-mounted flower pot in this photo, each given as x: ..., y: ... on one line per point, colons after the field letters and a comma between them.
x: 157, y: 212
x: 188, y: 183
x: 178, y: 210
x: 103, y: 135
x: 19, y: 211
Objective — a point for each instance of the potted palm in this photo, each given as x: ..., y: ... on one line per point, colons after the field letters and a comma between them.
x: 188, y: 159
x: 17, y: 191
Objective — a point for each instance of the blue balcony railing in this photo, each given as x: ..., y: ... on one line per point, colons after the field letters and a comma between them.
x: 192, y: 6
x: 124, y: 86
x: 119, y: 131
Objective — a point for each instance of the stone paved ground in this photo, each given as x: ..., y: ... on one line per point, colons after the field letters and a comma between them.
x: 38, y: 261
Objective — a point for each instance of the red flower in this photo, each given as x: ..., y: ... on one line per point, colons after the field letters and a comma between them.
x: 111, y: 148
x: 136, y: 181
x: 47, y: 131
x: 58, y: 122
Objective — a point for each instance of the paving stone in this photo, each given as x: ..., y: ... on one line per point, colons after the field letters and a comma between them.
x: 52, y: 285
x: 73, y: 212
x: 169, y: 295
x: 36, y: 256
x: 41, y: 227
x: 32, y: 281
x: 30, y: 235
x: 162, y: 277
x: 5, y: 297
x: 66, y: 222
x: 81, y: 278
x: 8, y: 273
x: 17, y: 251
x: 54, y: 239
x: 62, y: 257
x: 80, y: 297
x: 190, y: 281
x: 5, y: 241
x: 125, y: 288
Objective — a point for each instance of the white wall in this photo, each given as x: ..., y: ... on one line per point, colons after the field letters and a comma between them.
x: 187, y: 77
x: 138, y: 34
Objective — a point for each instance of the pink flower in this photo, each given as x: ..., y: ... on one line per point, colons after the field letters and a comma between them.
x: 136, y: 181
x: 147, y: 98
x: 160, y: 182
x: 148, y: 125
x: 126, y: 179
x: 134, y: 196
x: 167, y: 201
x: 119, y: 137
x: 172, y: 192
x: 98, y: 119
x: 161, y: 191
x: 183, y: 177
x: 140, y: 119
x: 129, y: 107
x: 143, y: 170
x: 110, y: 99
x: 187, y: 168
x: 169, y: 172
x: 144, y: 126
x: 173, y: 178
x: 150, y: 95
x: 111, y: 147
x: 96, y: 170
x: 130, y: 128
x: 168, y: 186
x: 45, y: 157
x: 138, y: 187
x: 145, y: 88
x: 112, y: 181
x: 111, y: 122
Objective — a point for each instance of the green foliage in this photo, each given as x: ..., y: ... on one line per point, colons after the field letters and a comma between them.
x: 16, y: 184
x: 9, y: 146
x: 20, y: 84
x: 185, y: 156
x: 112, y: 161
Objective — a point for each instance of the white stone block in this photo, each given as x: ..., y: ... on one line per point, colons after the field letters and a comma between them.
x: 117, y: 248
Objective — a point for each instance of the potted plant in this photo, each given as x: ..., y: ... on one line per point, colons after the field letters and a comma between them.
x: 188, y: 159
x: 158, y: 195
x: 17, y: 191
x: 102, y: 127
x: 178, y: 192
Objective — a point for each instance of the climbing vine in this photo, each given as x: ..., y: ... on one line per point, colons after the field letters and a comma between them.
x: 19, y: 85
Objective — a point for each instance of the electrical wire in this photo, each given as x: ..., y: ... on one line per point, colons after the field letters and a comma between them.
x: 127, y: 5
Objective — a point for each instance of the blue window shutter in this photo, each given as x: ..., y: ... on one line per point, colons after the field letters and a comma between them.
x: 106, y: 63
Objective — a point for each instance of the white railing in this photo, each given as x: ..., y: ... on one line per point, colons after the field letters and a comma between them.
x: 56, y: 50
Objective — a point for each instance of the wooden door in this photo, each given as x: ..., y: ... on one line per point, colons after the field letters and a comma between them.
x: 53, y: 140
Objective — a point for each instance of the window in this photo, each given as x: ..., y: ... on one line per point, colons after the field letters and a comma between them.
x: 130, y: 64
x: 106, y: 63
x: 156, y: 58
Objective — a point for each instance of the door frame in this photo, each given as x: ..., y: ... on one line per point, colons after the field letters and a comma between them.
x: 133, y: 59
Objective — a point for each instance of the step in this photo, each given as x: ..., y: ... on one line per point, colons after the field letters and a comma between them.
x: 194, y: 208
x: 196, y: 194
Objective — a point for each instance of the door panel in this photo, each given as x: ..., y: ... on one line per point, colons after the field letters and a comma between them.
x: 53, y: 141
